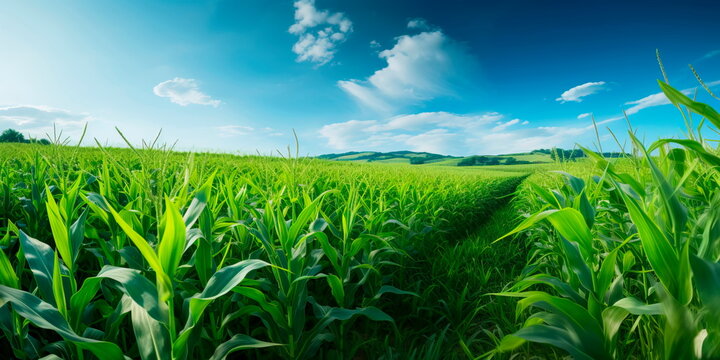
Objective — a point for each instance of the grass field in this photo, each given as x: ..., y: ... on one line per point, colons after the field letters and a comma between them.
x: 155, y: 254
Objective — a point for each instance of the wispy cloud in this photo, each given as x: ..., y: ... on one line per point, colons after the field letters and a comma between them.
x: 448, y: 133
x: 32, y: 116
x: 418, y: 68
x: 233, y: 130
x: 583, y: 115
x: 184, y: 92
x: 319, y: 32
x: 37, y: 120
x: 228, y: 131
x: 709, y: 55
x: 576, y: 93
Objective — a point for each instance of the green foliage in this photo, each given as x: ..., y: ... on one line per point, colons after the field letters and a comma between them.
x: 12, y: 136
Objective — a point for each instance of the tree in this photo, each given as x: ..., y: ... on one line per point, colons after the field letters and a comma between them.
x: 12, y: 136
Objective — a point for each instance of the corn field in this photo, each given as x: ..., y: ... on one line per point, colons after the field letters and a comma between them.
x: 152, y: 254
x: 147, y: 253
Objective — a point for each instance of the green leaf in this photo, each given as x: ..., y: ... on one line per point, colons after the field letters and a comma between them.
x: 223, y: 281
x: 40, y: 258
x: 637, y: 307
x: 707, y: 282
x: 678, y: 98
x: 77, y: 234
x: 7, y: 273
x: 172, y: 244
x: 58, y: 288
x: 553, y: 336
x: 45, y: 316
x: 59, y: 230
x: 605, y: 276
x: 153, y: 338
x: 677, y: 212
x: 239, y: 342
x: 148, y: 253
x: 131, y: 282
x: 660, y: 253
x: 692, y: 145
x: 572, y: 226
x: 336, y: 287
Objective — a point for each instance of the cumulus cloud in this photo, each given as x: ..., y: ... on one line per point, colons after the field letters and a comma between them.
x: 184, y: 92
x: 577, y: 93
x: 448, y: 133
x: 418, y: 68
x: 319, y: 32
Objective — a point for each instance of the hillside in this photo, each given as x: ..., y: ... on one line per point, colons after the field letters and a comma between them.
x: 425, y: 158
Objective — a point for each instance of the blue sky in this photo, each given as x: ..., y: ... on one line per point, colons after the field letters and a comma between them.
x: 455, y: 77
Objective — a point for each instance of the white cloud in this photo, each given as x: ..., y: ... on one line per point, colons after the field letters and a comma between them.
x: 448, y: 133
x: 227, y: 131
x: 37, y: 121
x: 233, y: 130
x: 710, y: 55
x: 577, y: 93
x: 319, y: 32
x: 184, y: 92
x: 346, y: 134
x: 583, y: 115
x: 419, y: 67
x: 374, y: 44
x: 434, y: 141
x: 418, y: 23
x: 646, y: 102
x: 29, y: 116
x: 504, y: 125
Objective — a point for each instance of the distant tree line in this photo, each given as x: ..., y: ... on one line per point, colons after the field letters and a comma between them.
x: 14, y: 136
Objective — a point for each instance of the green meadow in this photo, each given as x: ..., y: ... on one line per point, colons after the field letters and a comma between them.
x: 148, y: 253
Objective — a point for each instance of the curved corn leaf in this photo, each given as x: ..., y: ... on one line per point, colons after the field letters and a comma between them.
x: 60, y: 231
x: 678, y: 98
x: 222, y: 282
x: 153, y: 338
x: 8, y: 277
x: 239, y: 342
x: 40, y: 258
x: 172, y: 244
x: 46, y: 316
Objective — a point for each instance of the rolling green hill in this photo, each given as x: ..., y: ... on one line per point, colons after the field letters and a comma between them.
x: 425, y: 158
